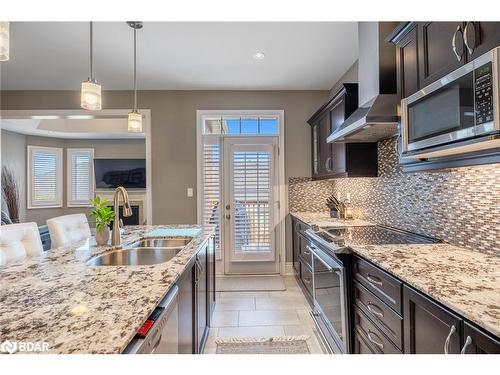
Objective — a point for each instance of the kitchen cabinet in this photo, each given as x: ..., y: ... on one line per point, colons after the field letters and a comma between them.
x: 196, y: 300
x: 201, y: 301
x: 477, y: 342
x: 186, y: 310
x: 427, y: 51
x: 296, y: 239
x: 429, y: 328
x: 330, y: 160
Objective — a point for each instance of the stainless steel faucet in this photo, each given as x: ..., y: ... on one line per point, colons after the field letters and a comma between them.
x: 116, y: 239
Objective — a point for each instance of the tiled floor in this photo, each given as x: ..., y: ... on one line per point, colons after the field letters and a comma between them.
x: 263, y: 314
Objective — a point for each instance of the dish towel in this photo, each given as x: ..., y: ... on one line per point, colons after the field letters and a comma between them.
x: 173, y: 232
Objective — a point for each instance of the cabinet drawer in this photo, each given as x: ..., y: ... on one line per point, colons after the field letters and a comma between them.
x: 372, y: 335
x: 380, y: 283
x: 360, y: 346
x: 306, y: 277
x: 304, y: 253
x: 383, y: 316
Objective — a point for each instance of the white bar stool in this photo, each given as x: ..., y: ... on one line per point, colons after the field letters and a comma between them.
x: 18, y: 241
x: 67, y: 230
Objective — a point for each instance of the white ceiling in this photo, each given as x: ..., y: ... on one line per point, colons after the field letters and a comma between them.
x: 180, y: 56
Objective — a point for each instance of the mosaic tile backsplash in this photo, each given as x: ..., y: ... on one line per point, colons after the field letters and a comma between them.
x: 460, y: 206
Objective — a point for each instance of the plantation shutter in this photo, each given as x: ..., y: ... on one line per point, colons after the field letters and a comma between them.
x: 80, y: 177
x: 251, y: 198
x: 44, y: 177
x: 212, y: 188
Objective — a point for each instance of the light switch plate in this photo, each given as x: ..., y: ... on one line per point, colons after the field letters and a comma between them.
x: 190, y: 192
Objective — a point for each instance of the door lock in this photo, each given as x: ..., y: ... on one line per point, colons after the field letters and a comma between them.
x: 228, y: 206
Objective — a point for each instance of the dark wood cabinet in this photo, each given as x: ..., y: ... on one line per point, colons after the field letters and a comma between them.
x: 480, y: 37
x: 296, y: 239
x: 186, y: 311
x: 441, y: 49
x: 407, y: 63
x: 428, y: 327
x: 197, y: 300
x: 477, y: 342
x: 330, y: 160
x: 427, y: 51
x: 201, y: 299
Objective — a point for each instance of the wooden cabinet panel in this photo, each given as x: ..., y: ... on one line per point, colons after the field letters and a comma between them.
x: 380, y: 283
x: 372, y: 335
x: 295, y: 245
x: 436, y: 55
x: 306, y: 277
x: 325, y: 148
x: 211, y: 289
x: 407, y: 64
x: 201, y: 300
x: 384, y: 317
x: 360, y: 346
x: 481, y: 37
x: 477, y: 342
x: 428, y: 327
x: 186, y: 311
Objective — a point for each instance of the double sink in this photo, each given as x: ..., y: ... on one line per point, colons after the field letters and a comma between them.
x: 141, y: 253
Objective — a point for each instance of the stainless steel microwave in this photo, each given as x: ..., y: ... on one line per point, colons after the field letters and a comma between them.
x: 458, y: 113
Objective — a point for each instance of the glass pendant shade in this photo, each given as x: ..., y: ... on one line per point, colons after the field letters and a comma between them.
x: 134, y: 122
x: 91, y: 96
x: 4, y: 41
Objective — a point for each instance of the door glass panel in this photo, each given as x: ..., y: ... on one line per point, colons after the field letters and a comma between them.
x: 448, y: 109
x: 252, y: 195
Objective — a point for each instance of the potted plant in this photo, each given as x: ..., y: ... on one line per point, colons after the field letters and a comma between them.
x: 104, y: 216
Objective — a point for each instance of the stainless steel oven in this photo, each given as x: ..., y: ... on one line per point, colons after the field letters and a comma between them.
x: 462, y: 106
x: 329, y: 299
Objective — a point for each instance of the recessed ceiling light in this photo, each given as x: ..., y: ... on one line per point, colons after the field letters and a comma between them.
x: 258, y: 56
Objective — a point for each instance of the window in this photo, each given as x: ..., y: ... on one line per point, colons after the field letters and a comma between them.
x: 211, y: 188
x: 80, y: 176
x: 241, y: 125
x: 44, y: 177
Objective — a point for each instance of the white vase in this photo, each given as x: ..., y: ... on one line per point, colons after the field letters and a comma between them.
x: 102, y: 236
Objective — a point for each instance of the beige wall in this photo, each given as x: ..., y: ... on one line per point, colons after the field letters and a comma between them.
x: 14, y: 152
x: 350, y: 76
x: 173, y: 120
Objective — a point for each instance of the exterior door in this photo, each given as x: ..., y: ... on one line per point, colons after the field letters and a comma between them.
x: 250, y: 205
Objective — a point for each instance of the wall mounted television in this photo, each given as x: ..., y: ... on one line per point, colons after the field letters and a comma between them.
x: 111, y: 173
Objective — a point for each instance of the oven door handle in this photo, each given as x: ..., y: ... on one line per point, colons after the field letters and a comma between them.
x: 330, y: 268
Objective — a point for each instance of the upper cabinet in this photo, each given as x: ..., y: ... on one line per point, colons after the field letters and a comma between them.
x: 330, y: 160
x: 427, y: 51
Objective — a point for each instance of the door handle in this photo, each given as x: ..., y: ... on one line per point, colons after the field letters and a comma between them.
x: 447, y: 341
x: 470, y: 48
x: 228, y: 216
x: 454, y: 43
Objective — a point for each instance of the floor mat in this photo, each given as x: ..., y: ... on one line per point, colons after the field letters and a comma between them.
x: 250, y: 283
x: 269, y: 345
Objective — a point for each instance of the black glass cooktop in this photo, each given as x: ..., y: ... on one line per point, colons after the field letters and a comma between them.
x: 371, y: 235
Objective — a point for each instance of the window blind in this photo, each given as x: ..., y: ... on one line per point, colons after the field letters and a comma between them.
x: 252, y: 195
x: 212, y: 190
x: 44, y: 177
x: 80, y: 177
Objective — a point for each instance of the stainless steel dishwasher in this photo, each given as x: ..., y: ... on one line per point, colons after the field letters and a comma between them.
x: 159, y: 334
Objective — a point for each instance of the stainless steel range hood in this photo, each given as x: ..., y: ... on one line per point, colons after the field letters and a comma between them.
x: 377, y: 118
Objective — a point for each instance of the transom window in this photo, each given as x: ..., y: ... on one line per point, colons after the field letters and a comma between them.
x: 240, y: 125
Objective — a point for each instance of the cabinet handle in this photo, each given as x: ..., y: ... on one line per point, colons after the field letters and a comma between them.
x: 374, y: 310
x: 307, y: 280
x: 379, y: 344
x: 327, y: 164
x: 468, y: 341
x: 470, y: 49
x: 374, y: 280
x: 447, y: 341
x: 454, y: 42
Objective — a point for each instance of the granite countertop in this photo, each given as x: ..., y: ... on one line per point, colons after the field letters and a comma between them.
x: 76, y: 308
x: 467, y: 282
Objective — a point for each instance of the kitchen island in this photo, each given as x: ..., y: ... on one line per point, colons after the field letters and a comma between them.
x: 76, y: 308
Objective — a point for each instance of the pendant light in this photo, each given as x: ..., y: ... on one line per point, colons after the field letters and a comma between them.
x: 134, y: 117
x: 4, y: 41
x: 91, y: 91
